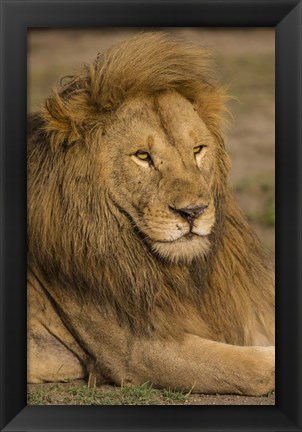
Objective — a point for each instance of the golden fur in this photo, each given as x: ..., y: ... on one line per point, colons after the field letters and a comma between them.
x: 112, y: 257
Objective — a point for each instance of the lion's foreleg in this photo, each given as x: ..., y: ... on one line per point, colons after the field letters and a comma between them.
x: 52, y: 352
x: 195, y: 364
x: 119, y: 356
x: 205, y: 366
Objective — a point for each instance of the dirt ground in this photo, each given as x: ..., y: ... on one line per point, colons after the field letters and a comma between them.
x: 245, y: 64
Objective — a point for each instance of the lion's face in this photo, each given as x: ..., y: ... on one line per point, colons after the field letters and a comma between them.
x: 158, y: 159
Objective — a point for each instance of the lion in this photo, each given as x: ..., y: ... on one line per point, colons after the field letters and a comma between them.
x: 141, y: 267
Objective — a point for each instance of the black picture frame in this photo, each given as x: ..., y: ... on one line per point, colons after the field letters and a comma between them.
x: 16, y: 17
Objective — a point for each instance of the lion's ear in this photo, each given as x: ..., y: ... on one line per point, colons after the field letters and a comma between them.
x: 211, y: 105
x: 64, y: 119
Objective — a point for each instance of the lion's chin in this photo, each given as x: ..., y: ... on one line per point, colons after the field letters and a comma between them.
x: 184, y: 249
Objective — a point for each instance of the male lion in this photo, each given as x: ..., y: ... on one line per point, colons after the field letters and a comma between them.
x: 141, y: 267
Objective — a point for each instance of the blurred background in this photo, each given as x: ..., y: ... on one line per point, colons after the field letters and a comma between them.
x: 245, y: 60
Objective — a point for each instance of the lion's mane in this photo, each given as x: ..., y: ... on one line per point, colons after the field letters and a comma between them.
x: 76, y: 234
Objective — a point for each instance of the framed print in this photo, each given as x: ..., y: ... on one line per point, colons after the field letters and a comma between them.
x: 29, y: 26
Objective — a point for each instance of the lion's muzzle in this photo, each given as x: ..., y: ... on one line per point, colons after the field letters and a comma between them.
x: 190, y: 213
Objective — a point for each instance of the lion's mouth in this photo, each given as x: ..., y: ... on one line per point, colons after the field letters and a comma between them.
x: 183, y: 239
x: 183, y: 248
x: 177, y: 233
x: 187, y: 237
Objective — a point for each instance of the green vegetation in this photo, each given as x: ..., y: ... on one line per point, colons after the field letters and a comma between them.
x: 262, y: 184
x: 263, y: 190
x: 75, y: 394
x: 267, y: 217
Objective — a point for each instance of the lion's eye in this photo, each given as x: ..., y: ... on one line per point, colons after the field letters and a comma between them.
x: 198, y: 149
x: 145, y: 156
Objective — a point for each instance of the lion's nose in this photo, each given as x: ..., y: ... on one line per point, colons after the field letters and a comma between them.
x: 190, y: 213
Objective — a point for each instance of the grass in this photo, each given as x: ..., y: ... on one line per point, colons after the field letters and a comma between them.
x: 266, y: 217
x: 75, y: 394
x: 79, y: 393
x: 263, y: 190
x: 263, y: 184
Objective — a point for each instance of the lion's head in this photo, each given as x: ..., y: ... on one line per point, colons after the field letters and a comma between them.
x: 161, y: 160
x: 138, y: 132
